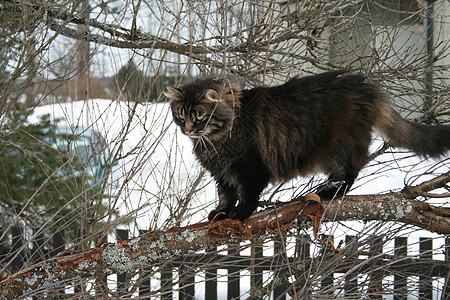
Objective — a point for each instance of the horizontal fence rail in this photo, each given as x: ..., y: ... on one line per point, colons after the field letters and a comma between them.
x: 340, y: 276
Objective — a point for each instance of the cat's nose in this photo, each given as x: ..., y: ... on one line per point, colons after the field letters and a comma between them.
x: 188, y: 126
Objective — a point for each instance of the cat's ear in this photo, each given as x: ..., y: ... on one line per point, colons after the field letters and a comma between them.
x: 211, y: 95
x: 232, y: 88
x: 173, y: 93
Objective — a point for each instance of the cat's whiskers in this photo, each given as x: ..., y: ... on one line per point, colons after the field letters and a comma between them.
x: 211, y: 143
x: 201, y: 143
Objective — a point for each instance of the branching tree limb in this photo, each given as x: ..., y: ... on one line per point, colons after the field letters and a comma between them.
x: 62, y: 21
x: 390, y: 207
x: 151, y: 249
x: 154, y: 247
x: 400, y: 207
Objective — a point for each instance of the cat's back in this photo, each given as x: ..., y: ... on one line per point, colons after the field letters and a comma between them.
x: 324, y: 83
x: 305, y: 116
x: 333, y: 90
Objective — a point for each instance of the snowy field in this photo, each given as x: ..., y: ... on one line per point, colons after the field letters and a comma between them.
x: 158, y: 169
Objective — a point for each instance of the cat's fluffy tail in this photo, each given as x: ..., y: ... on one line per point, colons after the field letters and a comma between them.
x: 425, y: 140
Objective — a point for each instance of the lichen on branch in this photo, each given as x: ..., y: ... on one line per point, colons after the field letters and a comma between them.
x: 154, y: 247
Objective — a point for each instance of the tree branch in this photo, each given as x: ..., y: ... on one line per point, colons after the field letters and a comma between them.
x: 399, y: 207
x: 117, y: 36
x: 389, y: 207
x: 423, y: 188
x: 154, y: 247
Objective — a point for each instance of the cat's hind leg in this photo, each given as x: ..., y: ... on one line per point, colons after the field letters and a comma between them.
x: 336, y: 186
x: 346, y: 165
x: 342, y: 181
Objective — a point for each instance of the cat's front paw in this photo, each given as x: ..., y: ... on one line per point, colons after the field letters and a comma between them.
x: 216, y: 215
x: 237, y: 214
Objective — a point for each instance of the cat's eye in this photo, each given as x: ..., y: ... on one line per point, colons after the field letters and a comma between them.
x: 200, y: 117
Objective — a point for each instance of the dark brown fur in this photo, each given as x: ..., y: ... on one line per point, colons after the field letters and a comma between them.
x: 320, y: 123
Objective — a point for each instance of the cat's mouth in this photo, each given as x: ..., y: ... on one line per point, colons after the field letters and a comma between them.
x: 193, y: 134
x: 196, y: 133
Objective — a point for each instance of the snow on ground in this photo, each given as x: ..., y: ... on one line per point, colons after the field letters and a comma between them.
x: 158, y: 167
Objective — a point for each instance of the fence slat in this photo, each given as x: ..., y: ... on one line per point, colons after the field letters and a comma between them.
x: 446, y: 287
x: 425, y: 279
x: 328, y: 280
x: 144, y: 279
x: 166, y: 282
x: 122, y: 235
x: 351, y: 278
x: 211, y: 282
x: 376, y: 274
x: 279, y: 291
x: 3, y: 250
x: 38, y: 252
x: 59, y: 241
x: 233, y: 274
x: 400, y: 280
x: 302, y: 247
x: 302, y: 254
x: 16, y: 248
x: 187, y: 281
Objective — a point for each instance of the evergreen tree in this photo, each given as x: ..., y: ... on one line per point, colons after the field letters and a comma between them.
x: 41, y: 182
x: 132, y: 82
x: 136, y: 86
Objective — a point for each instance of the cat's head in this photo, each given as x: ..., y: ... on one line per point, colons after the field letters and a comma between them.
x: 204, y: 107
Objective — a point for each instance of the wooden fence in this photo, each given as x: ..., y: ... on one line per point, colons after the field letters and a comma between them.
x: 177, y: 278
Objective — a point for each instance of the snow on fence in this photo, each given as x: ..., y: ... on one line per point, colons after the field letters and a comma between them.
x: 218, y: 273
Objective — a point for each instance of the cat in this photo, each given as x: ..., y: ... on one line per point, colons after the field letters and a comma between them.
x: 320, y: 123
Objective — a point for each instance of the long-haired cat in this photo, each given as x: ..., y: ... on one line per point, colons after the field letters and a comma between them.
x: 320, y: 123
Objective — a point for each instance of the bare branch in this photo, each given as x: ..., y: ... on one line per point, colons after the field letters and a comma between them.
x: 390, y: 207
x: 120, y: 37
x: 423, y: 188
x: 152, y: 248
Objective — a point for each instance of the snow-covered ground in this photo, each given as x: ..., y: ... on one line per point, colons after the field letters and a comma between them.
x: 158, y: 166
